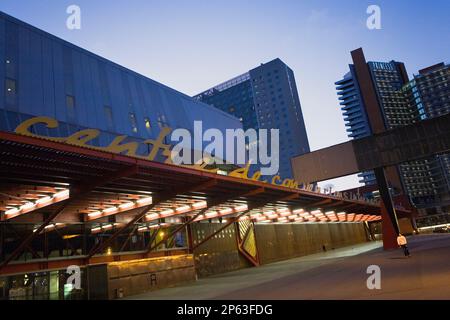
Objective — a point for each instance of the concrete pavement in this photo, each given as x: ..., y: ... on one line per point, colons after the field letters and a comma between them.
x: 339, y: 274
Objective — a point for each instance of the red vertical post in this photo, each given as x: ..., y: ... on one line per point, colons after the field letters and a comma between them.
x: 389, y: 232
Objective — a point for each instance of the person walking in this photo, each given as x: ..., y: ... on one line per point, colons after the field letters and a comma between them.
x: 401, y: 241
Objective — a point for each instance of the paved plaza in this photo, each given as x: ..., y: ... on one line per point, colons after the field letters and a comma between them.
x: 338, y: 274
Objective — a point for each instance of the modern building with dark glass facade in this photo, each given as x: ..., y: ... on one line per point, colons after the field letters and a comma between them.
x: 428, y: 96
x: 265, y: 97
x: 424, y: 181
x: 42, y: 75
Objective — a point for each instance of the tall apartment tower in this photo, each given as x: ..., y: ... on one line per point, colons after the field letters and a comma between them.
x: 428, y: 96
x: 265, y: 97
x: 402, y: 102
x: 388, y: 79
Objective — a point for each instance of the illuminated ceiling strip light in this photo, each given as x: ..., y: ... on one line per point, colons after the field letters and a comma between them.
x: 305, y: 214
x: 152, y: 216
x: 127, y: 205
x: 226, y: 211
x: 122, y: 208
x: 211, y: 214
x: 110, y: 210
x: 144, y: 201
x: 200, y: 205
x: 43, y: 200
x: 12, y: 211
x: 241, y: 208
x: 167, y: 212
x: 39, y: 203
x: 94, y: 214
x: 183, y: 209
x: 62, y: 194
x: 27, y: 206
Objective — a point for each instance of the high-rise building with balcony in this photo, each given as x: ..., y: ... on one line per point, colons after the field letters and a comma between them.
x: 403, y: 102
x: 388, y: 77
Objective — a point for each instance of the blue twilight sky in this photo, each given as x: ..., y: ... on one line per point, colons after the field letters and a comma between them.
x: 191, y: 45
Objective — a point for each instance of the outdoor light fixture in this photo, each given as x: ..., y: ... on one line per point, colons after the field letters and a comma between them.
x: 38, y: 203
x: 211, y: 214
x: 43, y: 200
x: 199, y: 205
x: 12, y: 211
x: 183, y: 209
x: 127, y: 205
x: 144, y: 201
x: 305, y: 214
x: 62, y: 194
x: 167, y: 212
x: 94, y: 214
x: 226, y: 211
x: 110, y: 210
x: 241, y: 208
x: 27, y: 206
x: 284, y: 213
x: 152, y: 216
